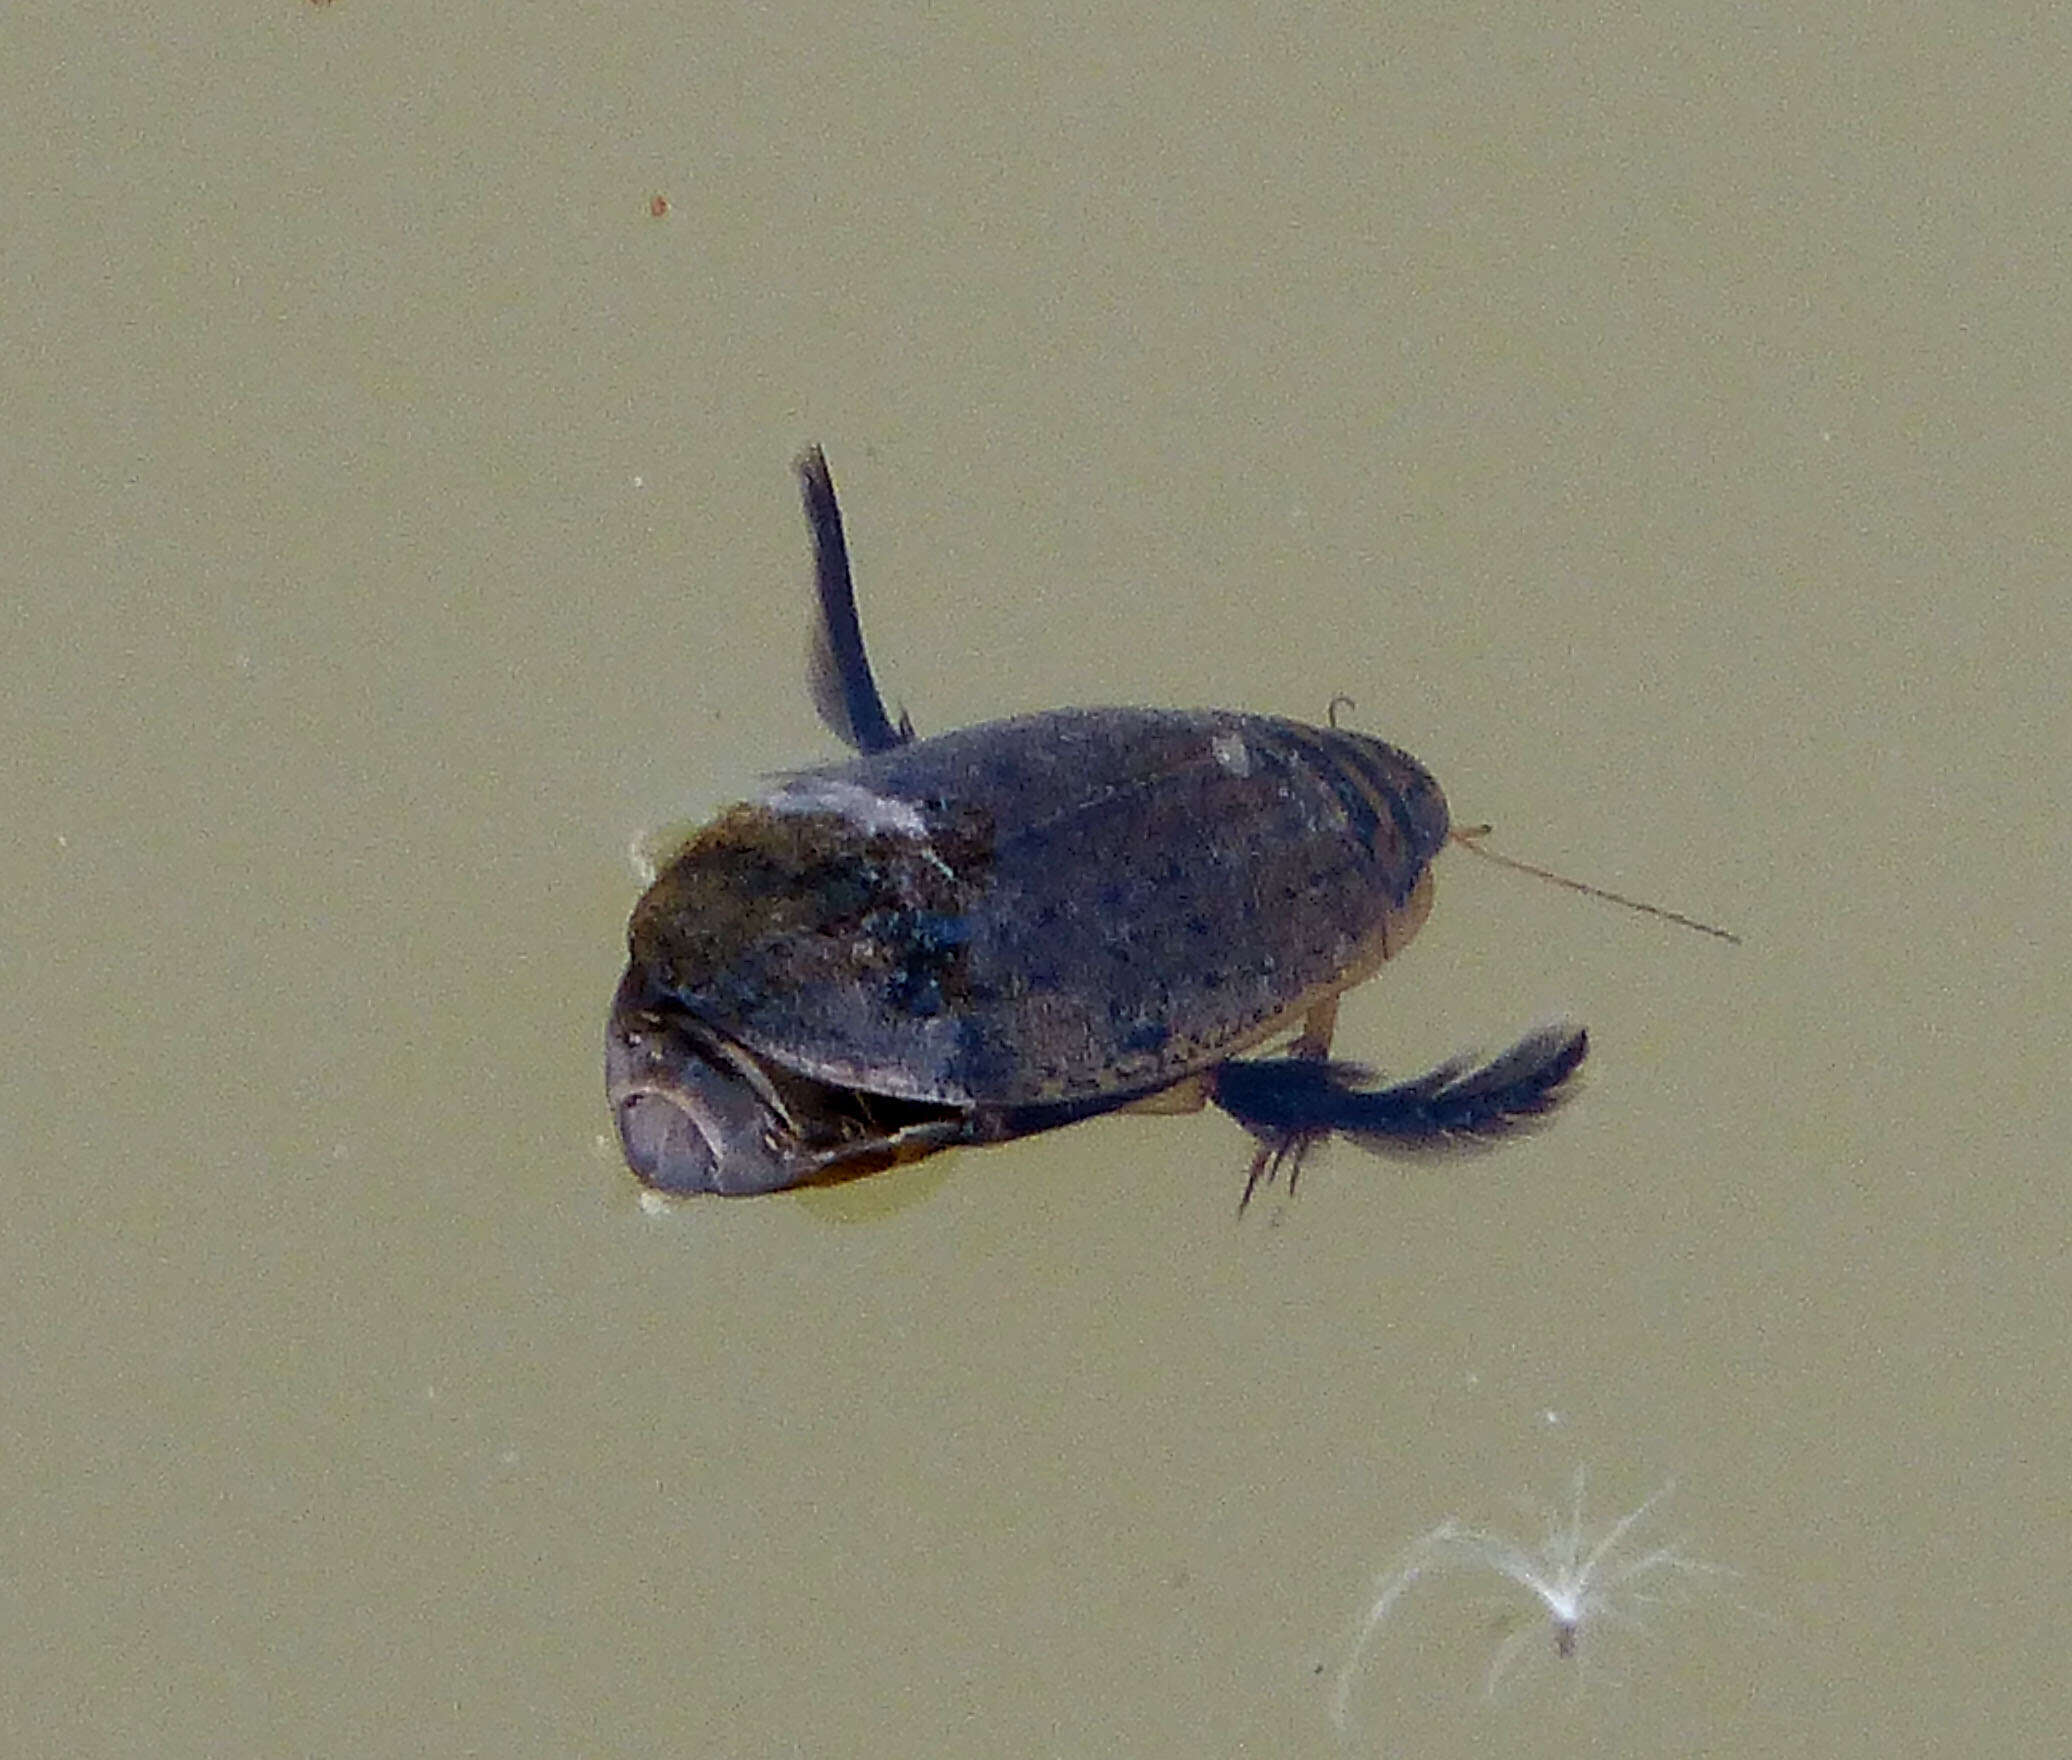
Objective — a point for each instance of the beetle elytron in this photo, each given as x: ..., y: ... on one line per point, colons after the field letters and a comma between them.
x: 996, y: 931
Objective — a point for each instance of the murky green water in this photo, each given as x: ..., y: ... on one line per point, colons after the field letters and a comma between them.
x: 1654, y: 425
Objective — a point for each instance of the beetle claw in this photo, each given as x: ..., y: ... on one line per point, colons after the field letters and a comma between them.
x: 1286, y: 1149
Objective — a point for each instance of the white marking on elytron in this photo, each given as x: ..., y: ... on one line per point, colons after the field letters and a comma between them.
x: 873, y: 814
x: 1230, y: 751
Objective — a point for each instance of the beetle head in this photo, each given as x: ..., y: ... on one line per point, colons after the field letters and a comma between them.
x: 693, y: 1110
x: 699, y: 1112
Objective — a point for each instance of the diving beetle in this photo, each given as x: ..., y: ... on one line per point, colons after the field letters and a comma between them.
x: 999, y: 930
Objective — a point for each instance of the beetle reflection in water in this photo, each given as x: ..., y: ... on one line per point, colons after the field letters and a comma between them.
x: 1000, y: 930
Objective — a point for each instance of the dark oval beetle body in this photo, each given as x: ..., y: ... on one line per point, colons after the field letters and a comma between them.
x: 1014, y: 926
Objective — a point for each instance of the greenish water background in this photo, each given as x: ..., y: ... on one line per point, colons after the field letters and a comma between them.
x: 1655, y: 421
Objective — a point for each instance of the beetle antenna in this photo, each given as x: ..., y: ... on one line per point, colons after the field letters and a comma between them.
x: 1469, y: 838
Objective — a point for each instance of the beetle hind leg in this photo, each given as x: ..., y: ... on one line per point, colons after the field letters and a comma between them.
x: 845, y: 690
x: 1291, y: 1103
